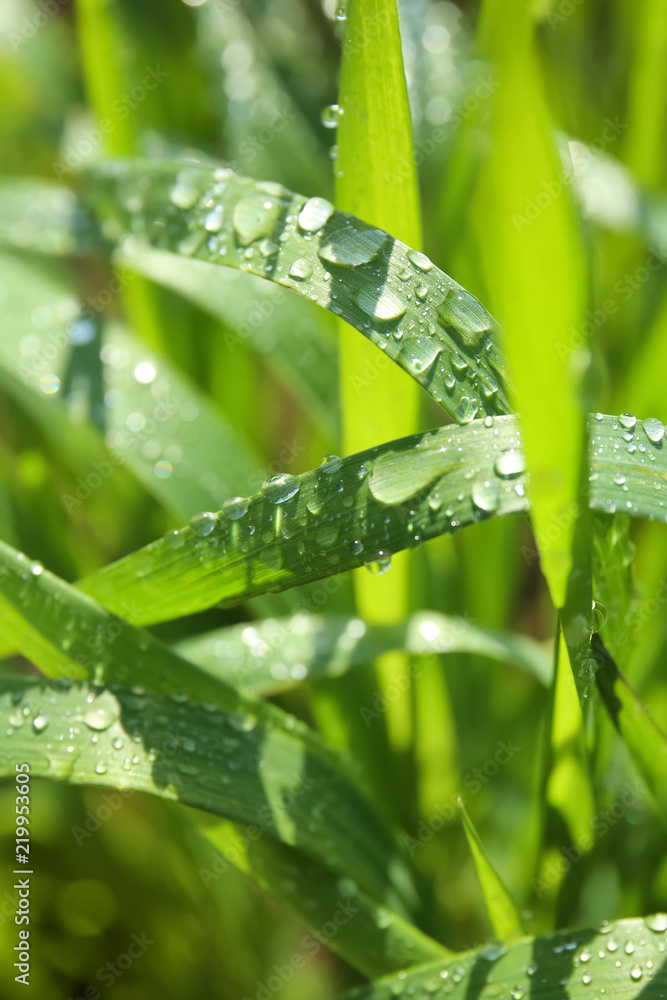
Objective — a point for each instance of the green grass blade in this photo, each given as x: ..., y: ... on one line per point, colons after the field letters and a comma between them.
x: 68, y: 635
x: 645, y: 741
x: 421, y: 484
x: 500, y: 908
x: 264, y: 658
x: 374, y: 940
x: 347, y: 513
x: 404, y: 304
x: 648, y: 92
x: 527, y: 253
x: 574, y: 964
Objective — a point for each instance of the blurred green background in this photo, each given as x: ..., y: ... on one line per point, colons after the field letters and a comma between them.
x: 247, y: 84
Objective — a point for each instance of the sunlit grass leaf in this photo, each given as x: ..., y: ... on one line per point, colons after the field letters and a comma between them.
x: 346, y: 513
x: 530, y: 243
x: 642, y: 736
x: 575, y: 964
x: 275, y: 655
x: 67, y: 635
x: 419, y: 317
x: 500, y: 908
x: 337, y: 517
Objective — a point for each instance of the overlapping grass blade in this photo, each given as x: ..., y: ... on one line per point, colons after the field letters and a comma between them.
x: 67, y: 634
x: 403, y: 303
x: 266, y: 657
x: 359, y: 510
x: 575, y: 964
x: 642, y: 736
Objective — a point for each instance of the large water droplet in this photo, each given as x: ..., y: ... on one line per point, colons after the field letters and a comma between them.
x: 486, y: 495
x: 352, y: 247
x: 384, y: 306
x: 466, y: 409
x: 100, y: 718
x: 255, y: 217
x: 301, y: 269
x: 331, y: 115
x: 464, y: 317
x: 314, y: 214
x: 278, y: 489
x: 203, y: 523
x: 185, y: 191
x: 381, y: 565
x: 420, y: 260
x: 235, y: 507
x: 636, y: 973
x: 214, y: 220
x: 40, y: 722
x: 331, y: 464
x: 657, y: 923
x: 509, y: 464
x: 654, y: 429
x: 627, y: 420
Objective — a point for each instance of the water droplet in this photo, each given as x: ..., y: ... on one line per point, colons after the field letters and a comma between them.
x: 100, y: 768
x: 352, y: 247
x: 174, y: 539
x: 627, y: 420
x: 654, y: 429
x: 203, y: 523
x: 486, y: 495
x: 40, y: 722
x: 331, y: 464
x: 36, y: 568
x: 620, y: 479
x: 420, y: 260
x: 185, y: 191
x: 586, y: 955
x: 314, y: 214
x: 586, y: 978
x: 636, y: 973
x: 612, y: 945
x: 49, y: 384
x: 100, y: 718
x: 657, y: 923
x: 144, y: 372
x: 357, y: 547
x: 117, y: 743
x: 278, y: 489
x: 255, y: 217
x: 383, y: 306
x: 629, y: 948
x: 301, y: 269
x: 241, y: 722
x: 510, y: 463
x: 214, y: 220
x: 235, y: 508
x: 331, y: 115
x: 466, y: 409
x: 517, y: 993
x: 463, y: 316
x: 381, y: 565
x: 599, y: 615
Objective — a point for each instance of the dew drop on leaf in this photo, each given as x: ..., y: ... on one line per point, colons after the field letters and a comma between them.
x: 203, y: 523
x: 301, y: 269
x: 314, y: 214
x: 352, y: 247
x: 654, y: 429
x: 510, y: 463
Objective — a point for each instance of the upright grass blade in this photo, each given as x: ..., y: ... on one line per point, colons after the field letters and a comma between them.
x: 264, y: 658
x: 530, y: 241
x: 648, y: 92
x: 392, y: 497
x: 152, y: 691
x: 420, y: 318
x: 502, y: 912
x: 643, y: 738
x: 376, y: 180
x: 574, y: 964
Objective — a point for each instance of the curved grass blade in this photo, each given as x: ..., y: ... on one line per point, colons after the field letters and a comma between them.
x: 575, y: 964
x: 344, y: 514
x: 292, y: 338
x: 645, y: 741
x: 264, y: 658
x: 305, y: 528
x: 422, y: 319
x: 373, y: 939
x: 65, y: 633
x: 500, y: 908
